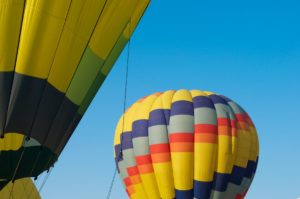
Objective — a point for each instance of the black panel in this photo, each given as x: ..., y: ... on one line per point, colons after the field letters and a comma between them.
x: 47, y: 110
x: 3, y: 184
x: 6, y: 79
x: 68, y: 134
x: 27, y: 166
x: 60, y: 125
x: 25, y: 96
x: 37, y: 158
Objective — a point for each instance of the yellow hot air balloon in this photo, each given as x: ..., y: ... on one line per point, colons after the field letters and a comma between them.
x: 54, y: 56
x: 186, y: 144
x: 21, y: 189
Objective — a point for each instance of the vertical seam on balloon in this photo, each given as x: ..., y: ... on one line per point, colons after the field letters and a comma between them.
x: 70, y: 84
x: 233, y: 153
x: 148, y: 112
x: 136, y: 164
x: 42, y: 95
x: 54, y: 118
x: 217, y: 151
x: 14, y: 69
x: 129, y: 22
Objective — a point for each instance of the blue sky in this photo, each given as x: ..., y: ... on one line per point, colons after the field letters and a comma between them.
x: 246, y: 50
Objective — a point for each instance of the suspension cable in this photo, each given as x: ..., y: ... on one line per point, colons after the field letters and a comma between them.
x: 119, y: 156
x: 45, y: 180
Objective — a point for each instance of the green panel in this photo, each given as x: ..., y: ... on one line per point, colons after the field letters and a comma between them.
x: 91, y: 93
x: 86, y: 73
x: 113, y: 56
x: 109, y: 62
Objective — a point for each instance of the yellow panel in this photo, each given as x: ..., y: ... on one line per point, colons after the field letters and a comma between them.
x: 150, y: 185
x: 225, y: 156
x: 11, y: 12
x: 164, y: 178
x: 182, y: 95
x: 135, y: 17
x: 41, y: 29
x: 22, y: 189
x: 79, y: 26
x: 209, y: 93
x: 140, y: 192
x: 205, y: 161
x: 196, y: 93
x: 164, y: 101
x: 183, y: 171
x: 111, y: 25
x: 167, y: 99
x: 128, y: 118
x: 143, y: 111
x: 11, y: 141
x: 243, y: 148
x: 254, y: 144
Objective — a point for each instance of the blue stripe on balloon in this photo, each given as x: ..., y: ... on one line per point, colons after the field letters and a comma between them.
x: 237, y: 175
x: 202, y: 190
x: 182, y: 108
x: 203, y: 101
x: 217, y: 99
x: 221, y: 181
x: 159, y: 117
x: 126, y: 140
x: 184, y: 194
x: 140, y: 128
x: 225, y: 98
x: 251, y: 167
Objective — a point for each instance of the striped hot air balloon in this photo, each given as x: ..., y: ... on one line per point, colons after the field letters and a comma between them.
x: 186, y: 144
x: 54, y: 55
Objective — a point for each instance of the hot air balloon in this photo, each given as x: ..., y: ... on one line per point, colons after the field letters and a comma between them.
x: 21, y: 189
x: 186, y: 144
x: 54, y: 55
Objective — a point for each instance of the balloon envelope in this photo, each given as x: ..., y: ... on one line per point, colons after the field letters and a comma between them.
x: 21, y: 189
x: 54, y: 55
x: 186, y: 144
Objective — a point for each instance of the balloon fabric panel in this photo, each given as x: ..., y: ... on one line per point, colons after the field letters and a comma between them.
x: 186, y: 144
x: 54, y: 57
x: 22, y: 188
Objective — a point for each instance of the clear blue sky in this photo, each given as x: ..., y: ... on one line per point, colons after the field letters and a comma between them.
x: 246, y: 50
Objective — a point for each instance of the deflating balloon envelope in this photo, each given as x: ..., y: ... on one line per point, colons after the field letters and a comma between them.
x: 186, y: 144
x: 54, y: 55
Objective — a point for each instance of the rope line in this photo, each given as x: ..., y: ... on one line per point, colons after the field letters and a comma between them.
x: 11, y: 191
x: 120, y: 155
x: 111, y: 184
x: 45, y: 180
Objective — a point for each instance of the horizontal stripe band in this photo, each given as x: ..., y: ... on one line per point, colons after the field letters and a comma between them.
x: 140, y: 128
x: 159, y: 117
x: 132, y: 171
x: 182, y: 108
x: 182, y: 147
x: 203, y: 101
x: 217, y: 99
x: 206, y: 138
x: 161, y: 157
x: 160, y: 148
x: 181, y: 137
x: 146, y: 168
x: 141, y: 160
x: 206, y: 128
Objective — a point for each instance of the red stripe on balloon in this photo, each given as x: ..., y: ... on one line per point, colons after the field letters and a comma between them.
x: 206, y: 128
x: 160, y: 148
x: 145, y: 159
x: 181, y: 137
